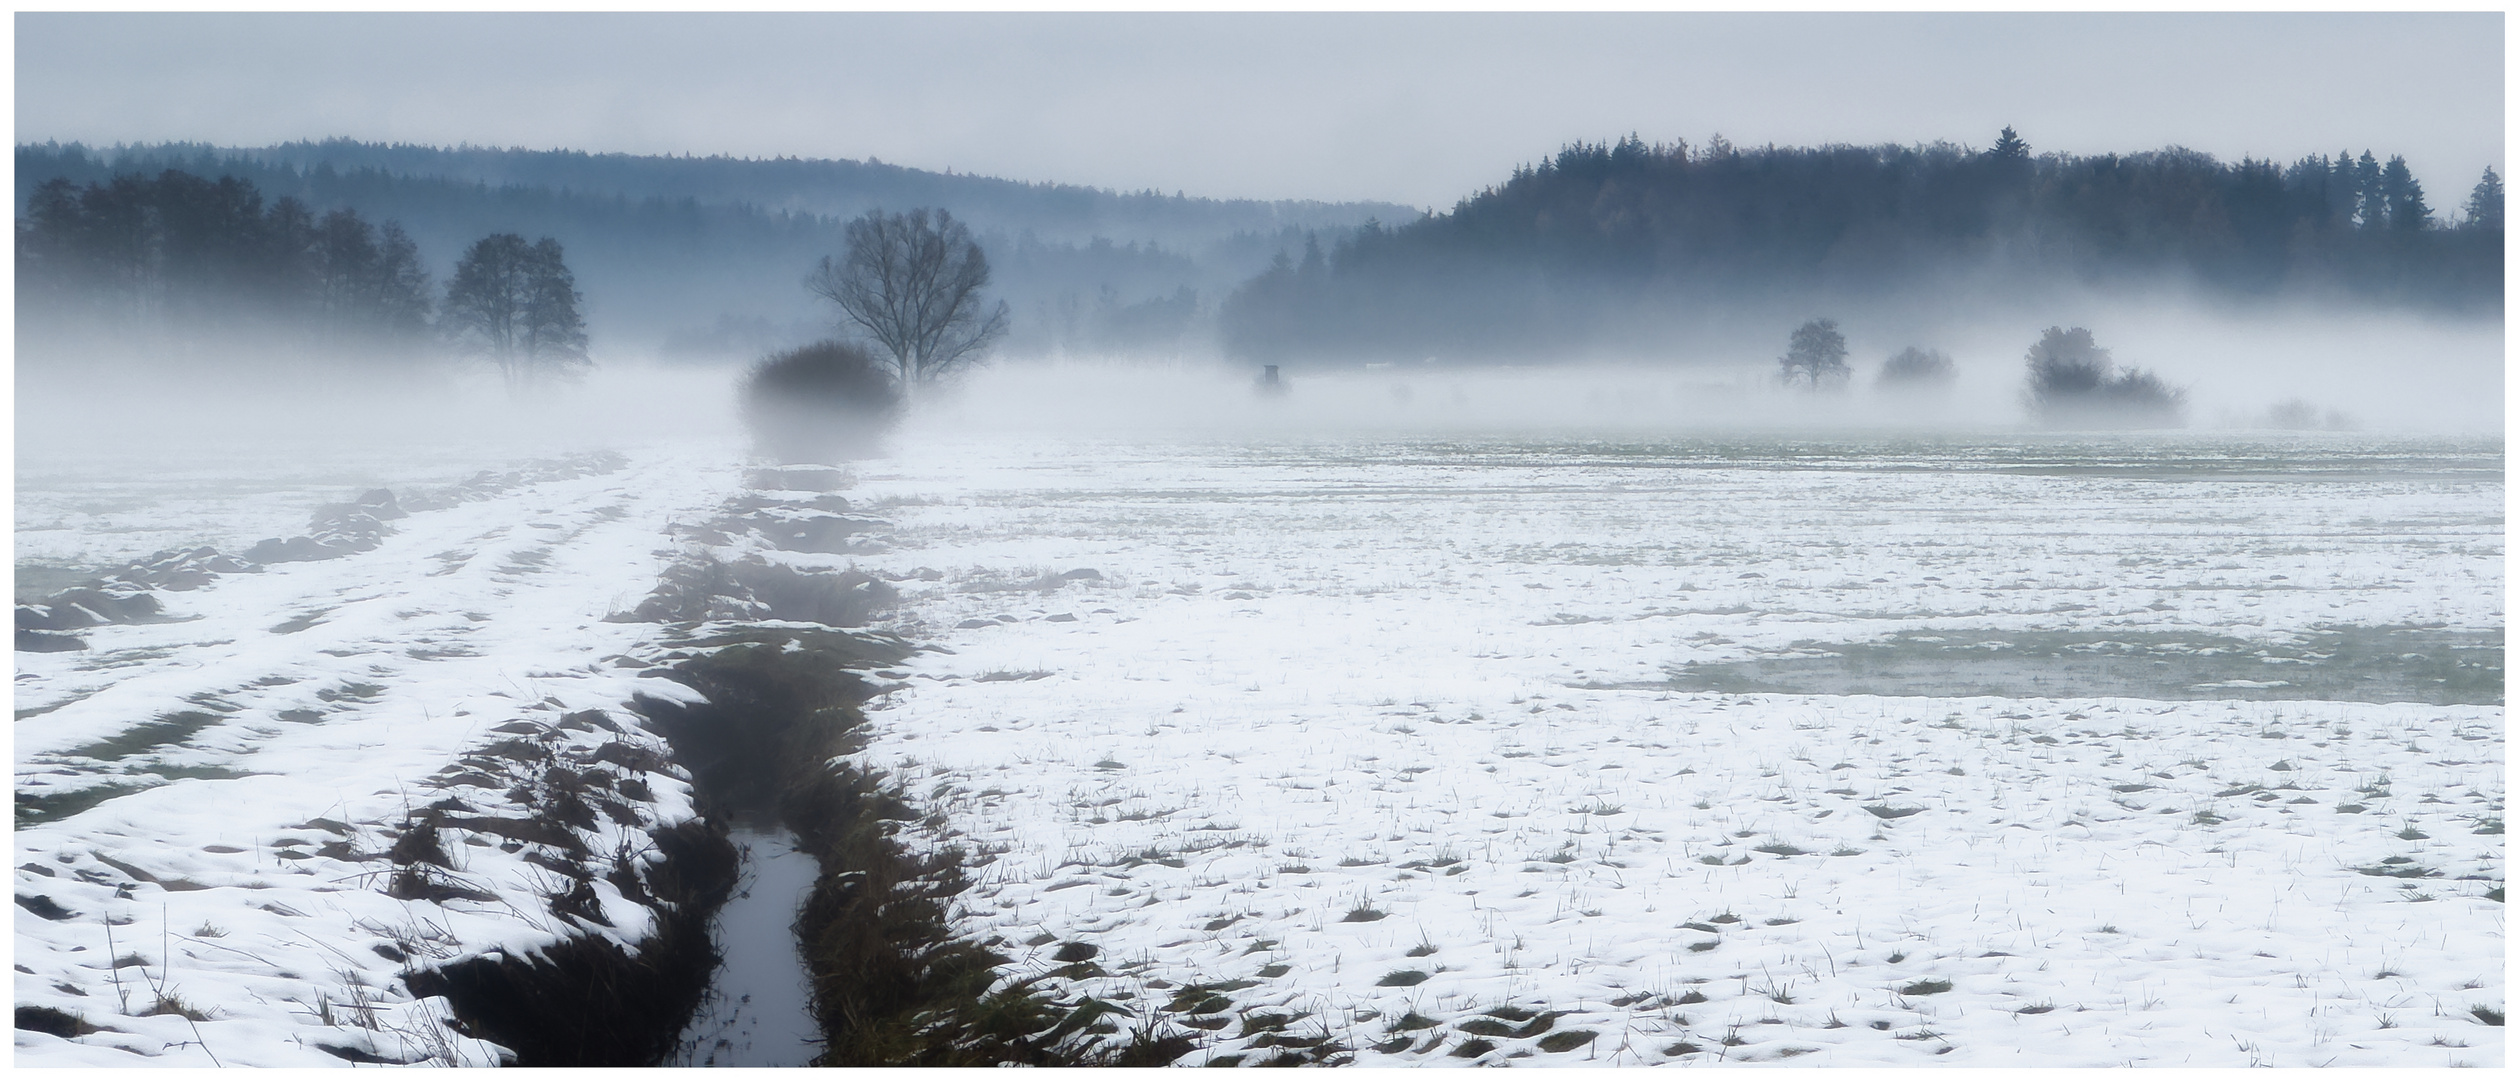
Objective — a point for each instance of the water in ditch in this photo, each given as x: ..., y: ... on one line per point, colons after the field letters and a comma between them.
x: 758, y: 1012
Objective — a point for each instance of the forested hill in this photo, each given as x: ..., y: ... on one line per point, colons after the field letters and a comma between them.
x: 831, y: 188
x: 1626, y: 246
x: 704, y: 255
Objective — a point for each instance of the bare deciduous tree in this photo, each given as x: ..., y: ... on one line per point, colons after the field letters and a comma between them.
x: 516, y: 303
x: 911, y: 283
x: 1815, y: 358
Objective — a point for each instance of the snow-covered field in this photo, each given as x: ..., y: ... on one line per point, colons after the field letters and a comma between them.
x: 203, y: 802
x: 1391, y: 743
x: 1439, y: 747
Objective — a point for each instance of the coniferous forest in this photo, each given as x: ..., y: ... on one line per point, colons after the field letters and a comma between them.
x: 1604, y: 237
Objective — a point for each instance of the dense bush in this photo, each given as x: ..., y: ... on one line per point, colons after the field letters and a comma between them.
x: 826, y: 402
x: 1917, y: 369
x: 2075, y: 383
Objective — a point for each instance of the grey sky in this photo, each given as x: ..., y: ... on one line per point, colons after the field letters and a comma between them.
x: 1421, y: 109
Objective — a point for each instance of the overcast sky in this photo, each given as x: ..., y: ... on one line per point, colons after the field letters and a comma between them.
x: 1420, y: 109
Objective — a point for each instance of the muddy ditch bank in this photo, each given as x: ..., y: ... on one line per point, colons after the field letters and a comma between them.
x: 588, y: 1000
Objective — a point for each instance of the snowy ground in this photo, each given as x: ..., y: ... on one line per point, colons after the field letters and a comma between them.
x: 1436, y: 746
x: 1373, y: 740
x: 213, y: 792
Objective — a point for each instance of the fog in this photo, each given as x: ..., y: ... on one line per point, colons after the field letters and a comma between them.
x: 1662, y: 313
x: 119, y: 411
x: 2383, y: 374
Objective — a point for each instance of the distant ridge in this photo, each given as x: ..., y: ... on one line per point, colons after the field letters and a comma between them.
x: 839, y: 188
x: 701, y: 256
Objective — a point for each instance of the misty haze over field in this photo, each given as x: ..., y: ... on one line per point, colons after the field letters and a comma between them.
x: 2316, y: 305
x: 1568, y: 243
x: 1875, y: 540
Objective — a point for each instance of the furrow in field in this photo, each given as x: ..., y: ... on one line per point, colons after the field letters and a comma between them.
x: 222, y: 791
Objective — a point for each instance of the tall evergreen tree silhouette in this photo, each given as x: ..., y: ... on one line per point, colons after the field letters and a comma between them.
x: 2485, y: 203
x: 2403, y: 197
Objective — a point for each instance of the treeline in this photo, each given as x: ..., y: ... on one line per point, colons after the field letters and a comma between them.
x: 700, y: 257
x: 179, y: 264
x: 837, y: 188
x: 651, y: 266
x: 1100, y: 296
x: 178, y: 257
x: 1607, y: 235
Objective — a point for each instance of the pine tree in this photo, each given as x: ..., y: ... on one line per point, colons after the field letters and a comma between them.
x: 2341, y: 200
x: 2318, y: 191
x: 2484, y: 204
x: 2009, y: 147
x: 2371, y: 208
x: 2402, y: 197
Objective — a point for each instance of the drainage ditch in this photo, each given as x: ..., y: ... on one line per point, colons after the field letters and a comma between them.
x: 805, y: 842
x: 890, y: 982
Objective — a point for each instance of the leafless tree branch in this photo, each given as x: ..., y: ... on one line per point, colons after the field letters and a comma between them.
x: 911, y: 283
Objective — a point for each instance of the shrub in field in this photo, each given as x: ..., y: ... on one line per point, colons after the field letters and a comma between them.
x: 1916, y: 370
x: 2295, y: 414
x: 2075, y: 383
x: 824, y: 403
